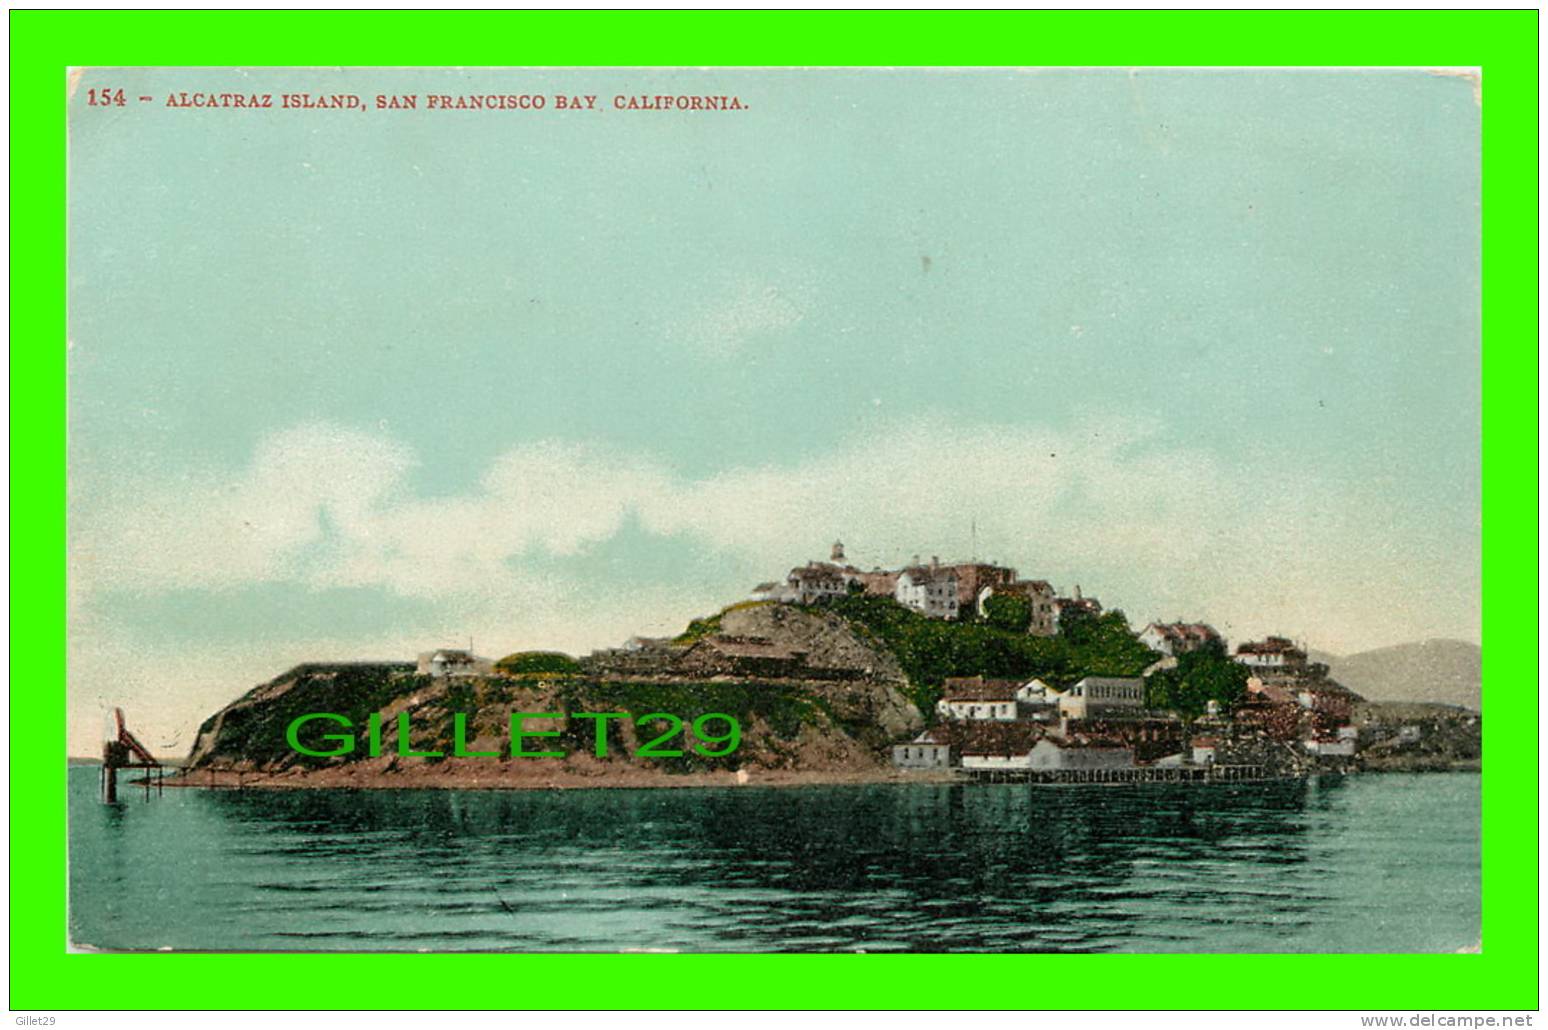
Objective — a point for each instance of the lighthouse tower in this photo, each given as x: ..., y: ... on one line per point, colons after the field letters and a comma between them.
x: 838, y: 552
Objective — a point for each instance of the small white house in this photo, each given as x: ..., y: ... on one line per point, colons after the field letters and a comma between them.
x: 1038, y: 700
x: 926, y: 751
x: 1204, y: 750
x: 1272, y: 654
x: 1331, y: 747
x: 449, y: 661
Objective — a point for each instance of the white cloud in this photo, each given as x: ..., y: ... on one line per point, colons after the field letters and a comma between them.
x: 1159, y: 530
x: 212, y: 530
x: 724, y: 326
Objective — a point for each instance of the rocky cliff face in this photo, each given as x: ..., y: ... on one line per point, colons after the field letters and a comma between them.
x: 251, y: 729
x: 829, y: 641
x: 809, y: 694
x: 792, y: 725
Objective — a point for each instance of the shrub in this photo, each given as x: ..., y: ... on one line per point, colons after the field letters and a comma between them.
x: 524, y: 662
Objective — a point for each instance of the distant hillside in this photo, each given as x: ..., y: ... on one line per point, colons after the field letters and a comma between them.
x: 1436, y: 671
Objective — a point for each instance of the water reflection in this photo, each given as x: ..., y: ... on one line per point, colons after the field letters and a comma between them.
x: 1261, y: 867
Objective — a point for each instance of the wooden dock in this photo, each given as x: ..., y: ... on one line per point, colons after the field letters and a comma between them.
x: 1139, y: 774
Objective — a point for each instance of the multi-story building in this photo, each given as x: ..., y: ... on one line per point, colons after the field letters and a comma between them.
x: 928, y: 589
x: 1098, y: 697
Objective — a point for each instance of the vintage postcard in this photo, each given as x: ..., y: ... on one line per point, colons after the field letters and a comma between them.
x: 774, y: 510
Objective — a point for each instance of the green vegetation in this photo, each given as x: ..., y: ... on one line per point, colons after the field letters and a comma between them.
x: 698, y: 629
x: 538, y: 662
x: 1201, y: 676
x: 708, y: 626
x: 256, y: 732
x: 930, y: 650
x: 1008, y: 612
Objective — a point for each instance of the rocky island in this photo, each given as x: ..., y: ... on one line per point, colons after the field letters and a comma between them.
x: 839, y: 675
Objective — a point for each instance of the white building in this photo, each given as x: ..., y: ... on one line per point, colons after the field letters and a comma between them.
x: 1103, y: 696
x: 978, y: 698
x: 1271, y: 654
x: 817, y: 582
x: 928, y: 589
x: 993, y: 745
x: 1331, y: 747
x: 1054, y: 753
x: 450, y: 661
x: 1038, y: 700
x: 929, y: 750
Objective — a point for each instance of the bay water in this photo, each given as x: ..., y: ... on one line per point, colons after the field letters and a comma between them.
x: 1371, y: 863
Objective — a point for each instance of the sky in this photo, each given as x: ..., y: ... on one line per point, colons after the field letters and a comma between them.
x: 361, y: 383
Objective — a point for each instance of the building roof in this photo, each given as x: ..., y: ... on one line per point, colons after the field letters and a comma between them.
x: 816, y: 571
x: 976, y: 688
x: 1186, y: 632
x: 1269, y: 645
x: 1270, y: 692
x: 1022, y: 588
x: 928, y: 574
x: 994, y: 738
x: 1077, y: 741
x: 763, y: 588
x: 1111, y: 681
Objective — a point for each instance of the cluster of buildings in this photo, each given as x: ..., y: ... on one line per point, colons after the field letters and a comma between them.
x: 1098, y: 722
x: 934, y: 589
x: 1101, y: 723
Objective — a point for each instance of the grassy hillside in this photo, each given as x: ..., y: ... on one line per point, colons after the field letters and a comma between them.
x: 930, y: 650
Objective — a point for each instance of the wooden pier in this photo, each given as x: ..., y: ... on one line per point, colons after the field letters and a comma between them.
x: 126, y: 752
x: 1139, y: 774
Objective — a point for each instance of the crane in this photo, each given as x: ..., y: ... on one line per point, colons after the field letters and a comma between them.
x: 124, y: 751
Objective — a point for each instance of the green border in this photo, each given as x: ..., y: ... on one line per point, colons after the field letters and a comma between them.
x: 1504, y: 976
